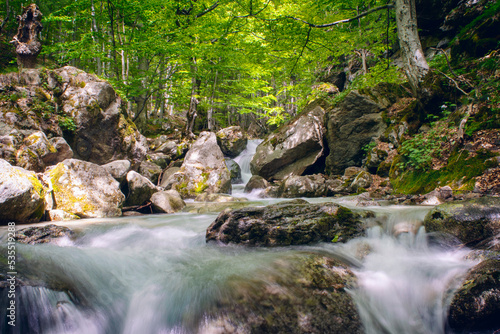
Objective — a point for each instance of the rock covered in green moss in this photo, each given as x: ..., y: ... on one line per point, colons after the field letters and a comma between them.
x: 36, y: 152
x: 203, y: 170
x: 476, y: 304
x: 475, y: 221
x: 235, y: 171
x: 296, y: 147
x: 21, y: 195
x: 102, y: 131
x: 288, y: 223
x: 85, y: 189
x: 298, y: 295
x: 232, y: 141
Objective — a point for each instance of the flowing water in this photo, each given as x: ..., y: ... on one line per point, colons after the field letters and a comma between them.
x: 156, y: 274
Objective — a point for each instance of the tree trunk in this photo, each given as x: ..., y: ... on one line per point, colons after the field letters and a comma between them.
x: 26, y: 40
x: 193, y: 104
x: 415, y: 64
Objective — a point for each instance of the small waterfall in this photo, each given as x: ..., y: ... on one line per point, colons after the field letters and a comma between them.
x: 404, y: 283
x: 245, y: 157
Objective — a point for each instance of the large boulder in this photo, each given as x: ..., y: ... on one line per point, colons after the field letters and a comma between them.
x: 232, y: 141
x: 140, y: 189
x: 476, y: 305
x: 68, y: 101
x: 85, y: 189
x: 21, y: 195
x: 203, y: 169
x: 103, y: 131
x: 288, y: 223
x: 256, y: 182
x: 350, y: 127
x: 294, y: 149
x: 304, y: 186
x: 474, y: 222
x: 300, y: 294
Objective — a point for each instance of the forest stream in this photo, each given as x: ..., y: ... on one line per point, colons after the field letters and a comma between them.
x: 157, y: 274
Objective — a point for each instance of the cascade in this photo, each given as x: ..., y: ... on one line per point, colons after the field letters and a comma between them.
x: 156, y: 274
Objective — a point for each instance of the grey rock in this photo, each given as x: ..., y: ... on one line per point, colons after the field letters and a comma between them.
x: 42, y: 234
x: 288, y: 223
x: 256, y: 182
x: 140, y: 189
x: 21, y: 195
x: 150, y: 170
x: 474, y: 222
x: 232, y: 141
x: 85, y: 189
x: 350, y: 127
x: 203, y: 169
x: 295, y: 148
x: 118, y: 169
x: 235, y: 171
x: 167, y: 201
x: 476, y: 305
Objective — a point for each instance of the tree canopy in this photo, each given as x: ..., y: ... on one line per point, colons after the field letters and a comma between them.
x: 224, y: 58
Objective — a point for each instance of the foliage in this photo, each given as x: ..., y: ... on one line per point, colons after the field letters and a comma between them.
x: 460, y: 173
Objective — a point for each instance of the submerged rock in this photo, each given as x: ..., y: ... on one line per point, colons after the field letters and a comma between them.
x: 474, y: 222
x: 203, y: 169
x: 288, y: 223
x: 476, y: 304
x: 85, y: 189
x: 295, y: 148
x: 299, y: 295
x: 21, y: 195
x: 42, y: 234
x: 232, y: 141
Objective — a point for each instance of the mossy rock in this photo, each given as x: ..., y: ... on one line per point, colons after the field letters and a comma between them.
x: 473, y: 222
x: 301, y: 294
x: 476, y: 304
x: 288, y: 223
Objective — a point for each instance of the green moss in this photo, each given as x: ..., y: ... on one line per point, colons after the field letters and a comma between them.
x: 460, y: 174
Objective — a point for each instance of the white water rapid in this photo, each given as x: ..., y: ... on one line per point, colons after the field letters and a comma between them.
x: 156, y: 274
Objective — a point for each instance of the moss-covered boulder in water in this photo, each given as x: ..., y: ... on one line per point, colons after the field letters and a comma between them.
x: 474, y: 222
x: 21, y: 195
x: 298, y: 295
x: 476, y: 304
x: 288, y: 223
x: 85, y: 189
x: 203, y: 170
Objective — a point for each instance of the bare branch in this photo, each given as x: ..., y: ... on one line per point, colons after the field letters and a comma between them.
x: 302, y: 51
x: 208, y: 10
x: 326, y: 25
